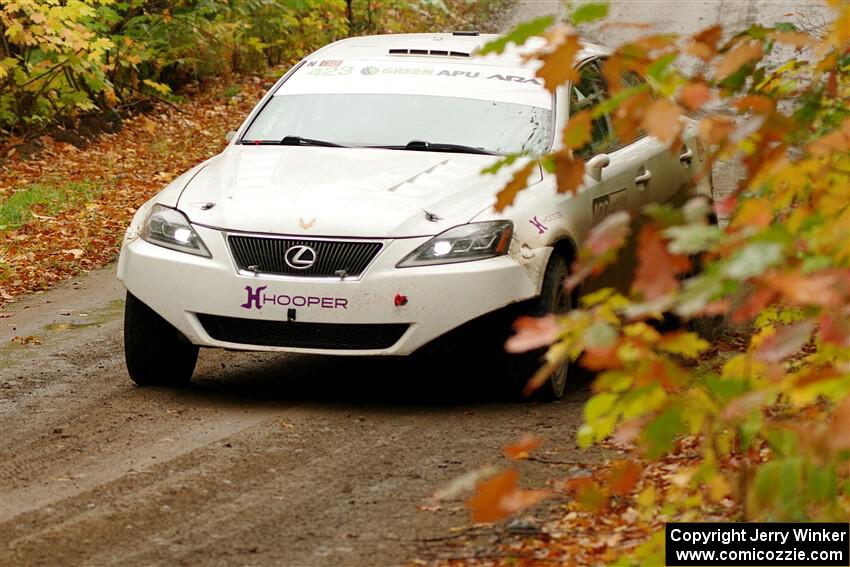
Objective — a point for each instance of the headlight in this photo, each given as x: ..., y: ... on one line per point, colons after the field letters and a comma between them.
x: 464, y: 243
x: 170, y: 228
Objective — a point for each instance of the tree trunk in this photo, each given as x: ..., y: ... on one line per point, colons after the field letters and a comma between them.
x: 350, y: 15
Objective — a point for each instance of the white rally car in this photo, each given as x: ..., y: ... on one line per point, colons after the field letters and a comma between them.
x: 349, y: 214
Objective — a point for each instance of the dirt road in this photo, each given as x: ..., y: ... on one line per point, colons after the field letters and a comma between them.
x: 265, y: 459
x: 289, y: 460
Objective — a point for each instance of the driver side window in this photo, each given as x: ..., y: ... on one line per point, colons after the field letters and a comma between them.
x: 589, y: 91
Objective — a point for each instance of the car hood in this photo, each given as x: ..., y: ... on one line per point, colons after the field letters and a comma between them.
x: 354, y: 192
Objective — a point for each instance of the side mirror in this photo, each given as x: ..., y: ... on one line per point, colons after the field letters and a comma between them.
x: 230, y: 136
x: 595, y: 165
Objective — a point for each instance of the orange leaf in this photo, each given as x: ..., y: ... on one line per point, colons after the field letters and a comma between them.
x: 655, y: 42
x: 599, y: 358
x: 838, y: 434
x: 486, y: 505
x: 832, y: 84
x: 521, y: 448
x: 704, y: 44
x: 577, y: 484
x: 600, y: 247
x: 577, y: 130
x: 592, y: 497
x: 785, y: 342
x: 840, y: 33
x: 610, y: 233
x: 826, y: 288
x: 754, y: 303
x: 624, y: 477
x: 735, y: 59
x: 797, y: 39
x: 835, y: 142
x: 629, y: 115
x: 519, y: 500
x: 835, y: 329
x: 694, y: 95
x: 657, y: 268
x: 755, y: 212
x: 569, y: 170
x: 756, y: 103
x: 506, y: 196
x: 498, y: 497
x: 662, y: 120
x: 533, y: 333
x: 710, y: 35
x: 715, y: 130
x: 558, y: 67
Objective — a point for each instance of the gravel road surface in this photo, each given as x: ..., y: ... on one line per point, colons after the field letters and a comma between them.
x: 265, y: 459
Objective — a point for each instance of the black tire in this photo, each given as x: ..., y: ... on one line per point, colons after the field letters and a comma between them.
x: 155, y: 352
x: 553, y: 299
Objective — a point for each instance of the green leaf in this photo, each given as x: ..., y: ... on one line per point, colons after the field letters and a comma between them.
x: 821, y: 482
x: 598, y: 405
x: 688, y: 345
x: 785, y: 27
x: 158, y: 87
x: 504, y: 162
x: 782, y: 441
x: 589, y: 12
x: 758, y: 31
x: 725, y: 389
x: 664, y: 215
x: 661, y: 431
x: 600, y: 334
x: 609, y: 105
x: 518, y: 35
x: 753, y: 260
x: 694, y: 238
x: 584, y: 436
x: 749, y: 430
x: 613, y: 381
x: 659, y: 67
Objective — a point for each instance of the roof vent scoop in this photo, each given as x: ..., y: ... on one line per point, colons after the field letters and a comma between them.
x: 431, y: 52
x: 466, y: 33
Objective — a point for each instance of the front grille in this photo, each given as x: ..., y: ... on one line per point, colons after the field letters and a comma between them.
x: 267, y: 255
x: 295, y: 334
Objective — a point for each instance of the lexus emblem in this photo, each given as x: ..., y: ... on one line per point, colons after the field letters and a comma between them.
x: 300, y: 257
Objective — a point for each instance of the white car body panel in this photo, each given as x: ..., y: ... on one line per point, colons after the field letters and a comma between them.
x: 347, y: 192
x: 441, y: 297
x: 401, y: 198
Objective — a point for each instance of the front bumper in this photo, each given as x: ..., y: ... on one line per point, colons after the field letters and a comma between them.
x: 180, y: 286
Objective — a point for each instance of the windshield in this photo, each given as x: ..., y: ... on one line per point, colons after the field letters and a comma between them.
x: 363, y: 104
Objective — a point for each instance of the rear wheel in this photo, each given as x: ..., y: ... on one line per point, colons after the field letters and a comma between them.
x: 155, y: 352
x: 553, y: 299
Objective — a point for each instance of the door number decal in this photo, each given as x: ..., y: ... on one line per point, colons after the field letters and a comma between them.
x: 607, y: 204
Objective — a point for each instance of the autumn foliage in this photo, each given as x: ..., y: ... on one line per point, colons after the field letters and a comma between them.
x: 765, y: 433
x: 63, y: 210
x: 60, y: 59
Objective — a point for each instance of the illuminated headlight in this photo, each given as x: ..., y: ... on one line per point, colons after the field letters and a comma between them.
x: 170, y: 228
x: 475, y: 241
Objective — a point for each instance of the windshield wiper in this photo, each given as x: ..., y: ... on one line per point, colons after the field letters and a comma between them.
x: 294, y: 141
x: 423, y: 146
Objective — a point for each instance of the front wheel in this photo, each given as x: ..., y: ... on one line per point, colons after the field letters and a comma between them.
x: 553, y: 299
x: 155, y: 352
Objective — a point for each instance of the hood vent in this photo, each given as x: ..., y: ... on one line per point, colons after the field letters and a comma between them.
x: 431, y: 52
